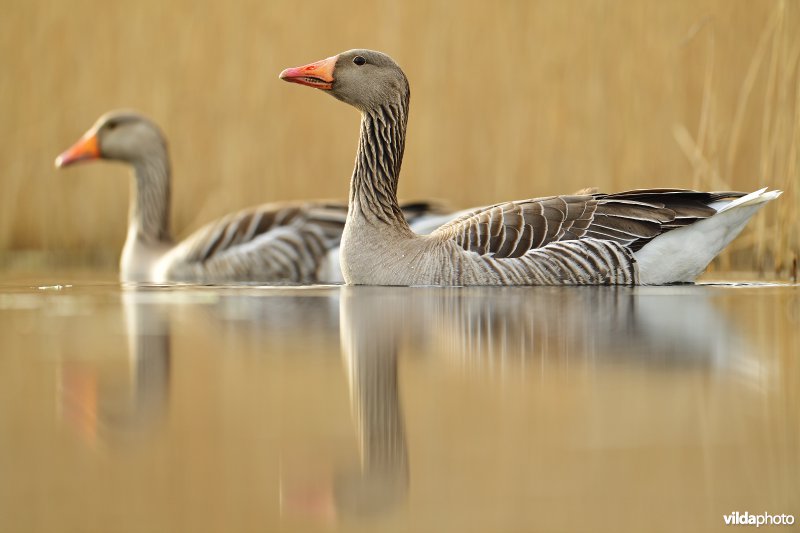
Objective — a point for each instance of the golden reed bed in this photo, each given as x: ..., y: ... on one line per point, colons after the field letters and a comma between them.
x: 546, y: 97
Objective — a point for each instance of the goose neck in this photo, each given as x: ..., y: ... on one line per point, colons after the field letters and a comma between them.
x: 149, y: 211
x: 373, y: 188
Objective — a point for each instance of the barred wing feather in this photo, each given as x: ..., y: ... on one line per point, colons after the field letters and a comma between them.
x: 630, y: 218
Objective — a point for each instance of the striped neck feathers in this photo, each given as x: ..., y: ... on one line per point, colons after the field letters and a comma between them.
x: 373, y: 187
x: 149, y: 211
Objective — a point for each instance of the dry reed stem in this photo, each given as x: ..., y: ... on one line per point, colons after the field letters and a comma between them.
x: 746, y: 90
x: 771, y: 242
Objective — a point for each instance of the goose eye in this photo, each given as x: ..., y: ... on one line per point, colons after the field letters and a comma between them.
x: 111, y: 125
x: 359, y: 60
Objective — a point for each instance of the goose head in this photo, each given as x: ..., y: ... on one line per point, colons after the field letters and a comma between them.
x: 118, y: 136
x: 364, y: 79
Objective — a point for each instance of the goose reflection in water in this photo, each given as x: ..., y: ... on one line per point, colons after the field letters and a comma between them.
x: 108, y: 397
x: 101, y: 406
x: 553, y: 327
x: 502, y: 332
x: 371, y: 336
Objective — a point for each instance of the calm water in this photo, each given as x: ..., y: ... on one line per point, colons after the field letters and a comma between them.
x: 365, y: 409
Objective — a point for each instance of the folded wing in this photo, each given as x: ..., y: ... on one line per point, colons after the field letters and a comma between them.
x: 631, y: 219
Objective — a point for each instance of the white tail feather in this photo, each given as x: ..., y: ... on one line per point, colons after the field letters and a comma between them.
x: 757, y: 197
x: 684, y: 253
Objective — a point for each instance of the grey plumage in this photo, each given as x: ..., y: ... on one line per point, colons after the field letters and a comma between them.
x: 280, y: 242
x: 273, y: 242
x: 268, y: 243
x: 589, y: 238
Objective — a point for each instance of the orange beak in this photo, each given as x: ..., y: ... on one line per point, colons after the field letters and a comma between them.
x: 318, y: 75
x: 87, y: 147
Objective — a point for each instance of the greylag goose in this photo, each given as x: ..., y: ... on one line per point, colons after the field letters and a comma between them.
x: 281, y: 242
x: 653, y: 236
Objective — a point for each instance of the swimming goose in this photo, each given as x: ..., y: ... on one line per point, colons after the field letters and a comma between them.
x: 636, y: 237
x: 280, y: 242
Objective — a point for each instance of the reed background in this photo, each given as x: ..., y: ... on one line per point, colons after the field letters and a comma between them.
x: 509, y: 100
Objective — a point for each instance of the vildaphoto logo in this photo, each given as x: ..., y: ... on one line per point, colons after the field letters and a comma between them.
x: 765, y: 519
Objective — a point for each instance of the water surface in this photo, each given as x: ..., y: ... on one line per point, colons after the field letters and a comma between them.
x: 395, y: 409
